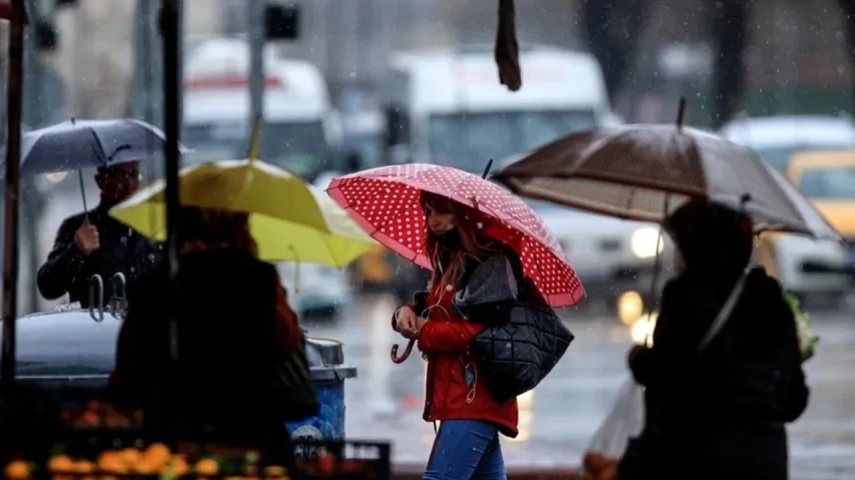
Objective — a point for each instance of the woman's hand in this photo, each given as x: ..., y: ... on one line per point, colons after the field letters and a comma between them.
x: 405, y: 320
x: 413, y: 333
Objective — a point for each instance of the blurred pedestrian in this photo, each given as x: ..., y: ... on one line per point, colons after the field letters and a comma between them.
x: 720, y: 413
x: 471, y: 418
x: 241, y: 365
x: 92, y: 243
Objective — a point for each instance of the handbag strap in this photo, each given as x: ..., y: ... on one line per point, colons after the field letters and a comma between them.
x: 724, y: 313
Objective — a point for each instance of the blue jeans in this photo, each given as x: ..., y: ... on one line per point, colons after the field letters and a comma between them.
x: 464, y: 450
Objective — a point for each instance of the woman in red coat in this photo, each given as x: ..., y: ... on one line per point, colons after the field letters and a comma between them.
x: 467, y: 442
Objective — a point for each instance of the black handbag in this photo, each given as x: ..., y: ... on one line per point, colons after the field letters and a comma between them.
x: 518, y: 350
x: 640, y: 457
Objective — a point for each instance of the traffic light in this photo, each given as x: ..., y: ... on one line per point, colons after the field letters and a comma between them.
x: 281, y: 22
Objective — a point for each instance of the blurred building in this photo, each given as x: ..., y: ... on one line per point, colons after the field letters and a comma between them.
x: 796, y: 58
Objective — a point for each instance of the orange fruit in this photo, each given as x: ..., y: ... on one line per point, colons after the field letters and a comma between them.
x: 144, y: 468
x: 111, y: 461
x: 157, y: 452
x: 275, y: 471
x: 83, y: 466
x: 130, y: 456
x: 60, y: 463
x: 207, y: 466
x: 62, y: 477
x: 17, y: 470
x: 175, y: 466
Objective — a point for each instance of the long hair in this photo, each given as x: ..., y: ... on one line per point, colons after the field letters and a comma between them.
x: 449, y: 262
x: 203, y: 228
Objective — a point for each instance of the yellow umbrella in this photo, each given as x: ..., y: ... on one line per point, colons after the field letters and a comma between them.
x: 289, y: 219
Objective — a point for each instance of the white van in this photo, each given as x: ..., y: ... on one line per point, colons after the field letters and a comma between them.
x: 302, y: 132
x: 448, y: 107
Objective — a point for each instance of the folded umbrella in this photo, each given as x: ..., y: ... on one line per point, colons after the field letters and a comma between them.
x: 290, y: 220
x: 645, y: 172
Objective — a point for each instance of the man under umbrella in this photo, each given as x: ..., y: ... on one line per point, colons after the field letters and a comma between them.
x: 92, y: 242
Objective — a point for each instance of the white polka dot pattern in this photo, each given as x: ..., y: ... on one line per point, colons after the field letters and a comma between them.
x: 385, y: 202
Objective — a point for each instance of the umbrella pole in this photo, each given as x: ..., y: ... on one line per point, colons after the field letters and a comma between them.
x: 14, y: 98
x: 83, y: 193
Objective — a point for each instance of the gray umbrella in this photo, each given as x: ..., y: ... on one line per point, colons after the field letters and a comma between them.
x: 78, y: 144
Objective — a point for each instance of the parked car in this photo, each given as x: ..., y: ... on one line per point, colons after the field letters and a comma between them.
x: 777, y: 140
x: 827, y: 178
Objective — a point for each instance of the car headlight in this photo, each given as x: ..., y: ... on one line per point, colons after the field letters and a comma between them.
x: 56, y: 177
x: 644, y: 241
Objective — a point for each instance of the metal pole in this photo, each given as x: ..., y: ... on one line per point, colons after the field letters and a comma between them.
x: 256, y: 32
x: 170, y: 24
x: 147, y: 100
x: 14, y: 98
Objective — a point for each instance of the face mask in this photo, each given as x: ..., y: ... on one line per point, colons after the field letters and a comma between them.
x: 450, y: 239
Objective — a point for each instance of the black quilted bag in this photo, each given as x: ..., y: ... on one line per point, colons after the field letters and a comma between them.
x: 518, y: 353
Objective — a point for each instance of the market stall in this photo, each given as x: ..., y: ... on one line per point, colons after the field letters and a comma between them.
x: 58, y: 420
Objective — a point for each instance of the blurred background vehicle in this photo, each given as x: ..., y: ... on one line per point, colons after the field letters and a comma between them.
x: 445, y: 106
x: 827, y: 178
x: 614, y: 258
x: 316, y: 292
x: 302, y: 132
x: 777, y: 140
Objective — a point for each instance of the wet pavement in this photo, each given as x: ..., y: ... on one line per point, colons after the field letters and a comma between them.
x: 558, y: 420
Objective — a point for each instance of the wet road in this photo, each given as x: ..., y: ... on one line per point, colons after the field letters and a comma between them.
x: 558, y: 420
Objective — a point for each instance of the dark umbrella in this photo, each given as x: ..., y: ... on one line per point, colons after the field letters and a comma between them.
x: 79, y: 144
x: 645, y: 172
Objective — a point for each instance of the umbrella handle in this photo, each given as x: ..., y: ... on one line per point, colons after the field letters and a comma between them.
x: 405, y: 355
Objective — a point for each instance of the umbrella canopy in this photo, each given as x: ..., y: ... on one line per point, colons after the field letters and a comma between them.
x: 645, y: 172
x: 385, y: 202
x: 290, y: 220
x: 78, y: 144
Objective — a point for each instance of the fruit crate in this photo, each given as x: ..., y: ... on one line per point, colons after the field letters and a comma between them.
x: 347, y: 460
x: 81, y: 436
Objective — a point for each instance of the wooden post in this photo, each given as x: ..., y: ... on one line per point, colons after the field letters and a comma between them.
x: 14, y: 100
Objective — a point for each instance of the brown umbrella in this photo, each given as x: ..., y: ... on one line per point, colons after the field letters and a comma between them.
x: 645, y: 172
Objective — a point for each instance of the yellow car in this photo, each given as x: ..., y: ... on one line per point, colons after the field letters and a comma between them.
x: 827, y: 178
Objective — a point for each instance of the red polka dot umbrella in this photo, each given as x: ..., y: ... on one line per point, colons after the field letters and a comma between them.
x: 385, y: 202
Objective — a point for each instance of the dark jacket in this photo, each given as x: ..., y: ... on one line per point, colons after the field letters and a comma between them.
x: 229, y: 344
x: 722, y: 412
x: 68, y: 270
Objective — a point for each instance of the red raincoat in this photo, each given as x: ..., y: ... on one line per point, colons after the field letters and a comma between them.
x: 444, y: 339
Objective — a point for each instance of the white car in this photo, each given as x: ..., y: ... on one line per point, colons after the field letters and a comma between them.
x: 612, y: 257
x: 776, y: 140
x: 315, y: 289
